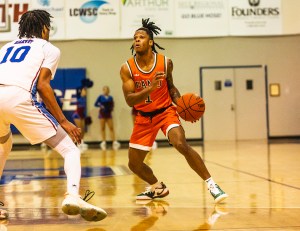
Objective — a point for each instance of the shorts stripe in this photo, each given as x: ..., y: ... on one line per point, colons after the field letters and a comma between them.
x: 140, y: 147
x: 170, y: 127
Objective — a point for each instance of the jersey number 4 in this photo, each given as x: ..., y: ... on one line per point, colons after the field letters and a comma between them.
x: 15, y: 55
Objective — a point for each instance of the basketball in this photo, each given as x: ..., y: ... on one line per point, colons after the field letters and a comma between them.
x: 190, y: 107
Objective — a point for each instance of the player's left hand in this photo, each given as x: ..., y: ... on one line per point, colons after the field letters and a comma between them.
x: 73, y: 131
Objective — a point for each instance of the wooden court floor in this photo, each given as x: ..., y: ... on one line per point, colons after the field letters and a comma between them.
x: 261, y: 178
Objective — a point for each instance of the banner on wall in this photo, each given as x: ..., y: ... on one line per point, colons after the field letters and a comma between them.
x: 57, y: 9
x: 201, y: 18
x: 255, y: 17
x: 92, y: 19
x: 159, y: 11
x: 117, y: 19
x: 15, y: 10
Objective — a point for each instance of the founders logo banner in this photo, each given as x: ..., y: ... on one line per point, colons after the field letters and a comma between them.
x: 255, y: 17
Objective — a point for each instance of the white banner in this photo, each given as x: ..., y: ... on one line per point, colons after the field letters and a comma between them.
x: 201, y: 18
x: 159, y: 11
x: 15, y: 10
x: 92, y: 19
x: 255, y: 17
x: 117, y: 19
x: 57, y: 9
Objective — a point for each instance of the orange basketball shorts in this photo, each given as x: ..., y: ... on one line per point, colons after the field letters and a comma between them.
x: 145, y: 128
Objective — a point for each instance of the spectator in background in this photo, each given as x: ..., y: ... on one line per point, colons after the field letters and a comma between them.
x: 106, y: 104
x: 79, y: 116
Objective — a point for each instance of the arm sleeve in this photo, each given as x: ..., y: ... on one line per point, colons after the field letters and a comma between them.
x: 52, y: 56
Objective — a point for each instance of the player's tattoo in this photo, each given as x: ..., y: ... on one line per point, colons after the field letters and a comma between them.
x: 173, y: 91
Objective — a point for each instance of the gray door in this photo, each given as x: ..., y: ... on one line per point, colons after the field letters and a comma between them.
x: 235, y: 103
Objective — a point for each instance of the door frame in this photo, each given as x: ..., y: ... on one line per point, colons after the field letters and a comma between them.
x: 239, y: 67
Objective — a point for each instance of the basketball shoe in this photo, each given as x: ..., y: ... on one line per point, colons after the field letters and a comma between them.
x: 158, y: 192
x: 217, y: 193
x: 74, y: 204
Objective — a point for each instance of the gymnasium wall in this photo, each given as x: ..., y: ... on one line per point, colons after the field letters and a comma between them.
x: 103, y: 58
x: 281, y: 54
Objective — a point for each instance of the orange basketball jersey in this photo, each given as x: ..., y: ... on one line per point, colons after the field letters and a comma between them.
x: 160, y: 97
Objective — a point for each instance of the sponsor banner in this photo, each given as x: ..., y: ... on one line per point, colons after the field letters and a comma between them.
x: 92, y: 19
x: 118, y: 19
x: 255, y: 17
x: 201, y: 18
x: 14, y: 12
x: 57, y: 9
x: 159, y: 11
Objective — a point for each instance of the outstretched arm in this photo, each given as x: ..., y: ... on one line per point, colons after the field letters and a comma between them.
x: 174, y: 93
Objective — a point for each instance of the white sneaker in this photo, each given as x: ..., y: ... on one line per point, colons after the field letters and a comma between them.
x: 103, y: 145
x: 74, y: 204
x: 154, y: 145
x: 116, y: 145
x: 217, y: 193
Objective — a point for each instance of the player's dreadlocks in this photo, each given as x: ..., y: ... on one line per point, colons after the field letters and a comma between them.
x: 32, y: 23
x: 150, y: 28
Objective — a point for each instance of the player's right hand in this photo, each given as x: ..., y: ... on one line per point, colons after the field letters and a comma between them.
x: 158, y: 76
x: 73, y: 131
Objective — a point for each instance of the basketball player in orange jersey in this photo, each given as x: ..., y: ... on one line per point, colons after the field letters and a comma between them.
x: 148, y: 86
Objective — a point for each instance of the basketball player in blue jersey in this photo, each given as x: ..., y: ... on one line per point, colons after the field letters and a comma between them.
x: 27, y: 65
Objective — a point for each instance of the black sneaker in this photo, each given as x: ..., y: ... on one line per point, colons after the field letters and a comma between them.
x: 159, y: 192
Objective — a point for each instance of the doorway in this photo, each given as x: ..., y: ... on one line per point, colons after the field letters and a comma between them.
x: 236, y: 102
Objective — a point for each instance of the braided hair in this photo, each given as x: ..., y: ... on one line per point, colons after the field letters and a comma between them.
x: 150, y: 28
x: 32, y: 23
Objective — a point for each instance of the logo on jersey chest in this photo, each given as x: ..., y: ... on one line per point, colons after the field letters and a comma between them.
x: 141, y: 84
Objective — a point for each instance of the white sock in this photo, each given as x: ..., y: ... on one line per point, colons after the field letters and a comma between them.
x: 72, y: 166
x: 5, y: 149
x: 210, y: 183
